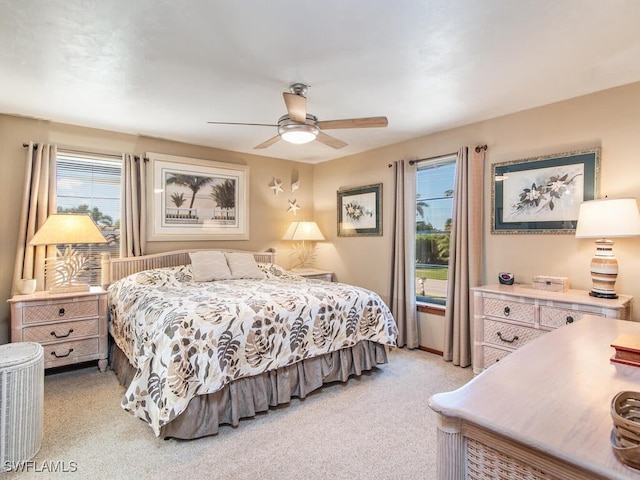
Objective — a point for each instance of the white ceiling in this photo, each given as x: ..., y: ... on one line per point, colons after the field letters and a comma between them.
x: 163, y: 68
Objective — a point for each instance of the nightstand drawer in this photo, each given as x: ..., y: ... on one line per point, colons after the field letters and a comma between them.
x: 508, y: 335
x: 64, y: 331
x: 508, y: 309
x: 327, y: 277
x: 314, y: 274
x: 557, y: 317
x: 66, y: 352
x: 59, y: 311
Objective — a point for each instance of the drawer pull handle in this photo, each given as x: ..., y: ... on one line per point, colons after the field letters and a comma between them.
x: 507, y: 311
x: 62, y: 336
x: 515, y: 337
x: 569, y: 319
x: 61, y: 312
x: 62, y: 356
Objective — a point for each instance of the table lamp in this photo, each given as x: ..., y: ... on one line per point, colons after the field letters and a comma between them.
x: 62, y: 270
x: 301, y: 232
x: 604, y: 219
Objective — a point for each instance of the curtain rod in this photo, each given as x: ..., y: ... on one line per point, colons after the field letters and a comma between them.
x: 84, y: 152
x: 411, y: 162
x: 81, y: 152
x: 479, y: 148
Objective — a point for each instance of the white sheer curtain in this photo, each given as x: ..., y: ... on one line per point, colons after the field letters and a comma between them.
x: 465, y: 254
x: 38, y: 202
x: 403, y: 247
x: 133, y: 230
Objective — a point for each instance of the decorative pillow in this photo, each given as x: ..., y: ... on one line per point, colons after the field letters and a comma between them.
x: 210, y: 265
x: 243, y: 265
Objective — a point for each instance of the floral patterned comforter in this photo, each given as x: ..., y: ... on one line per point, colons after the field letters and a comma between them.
x: 187, y: 338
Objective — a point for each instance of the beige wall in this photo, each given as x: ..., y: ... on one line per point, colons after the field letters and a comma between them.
x: 608, y: 119
x: 268, y: 213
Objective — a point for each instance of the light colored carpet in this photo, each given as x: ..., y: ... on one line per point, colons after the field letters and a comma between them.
x: 375, y: 426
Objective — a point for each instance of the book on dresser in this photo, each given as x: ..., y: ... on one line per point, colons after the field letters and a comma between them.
x: 627, y: 348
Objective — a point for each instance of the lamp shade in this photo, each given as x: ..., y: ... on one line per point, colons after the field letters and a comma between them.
x: 62, y: 228
x: 302, y: 231
x: 608, y: 218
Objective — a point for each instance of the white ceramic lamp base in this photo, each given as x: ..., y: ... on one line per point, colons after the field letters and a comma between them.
x: 604, y: 270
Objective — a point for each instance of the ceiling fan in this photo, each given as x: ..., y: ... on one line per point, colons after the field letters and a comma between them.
x: 298, y: 126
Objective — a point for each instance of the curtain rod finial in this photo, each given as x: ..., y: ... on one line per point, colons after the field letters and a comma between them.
x: 480, y: 148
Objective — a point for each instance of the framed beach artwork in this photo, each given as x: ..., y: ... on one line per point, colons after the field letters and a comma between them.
x: 543, y: 194
x: 360, y: 211
x: 194, y: 199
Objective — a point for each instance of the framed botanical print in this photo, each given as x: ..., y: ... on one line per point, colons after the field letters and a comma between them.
x: 543, y: 194
x: 360, y: 211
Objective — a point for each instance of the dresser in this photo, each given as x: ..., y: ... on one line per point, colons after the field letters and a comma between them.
x: 543, y: 412
x: 507, y: 317
x: 72, y: 328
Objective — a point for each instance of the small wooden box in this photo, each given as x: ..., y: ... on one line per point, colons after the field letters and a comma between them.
x: 551, y: 284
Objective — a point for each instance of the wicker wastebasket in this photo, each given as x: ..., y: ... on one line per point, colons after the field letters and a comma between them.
x: 21, y: 402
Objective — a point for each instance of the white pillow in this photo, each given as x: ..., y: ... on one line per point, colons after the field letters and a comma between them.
x: 210, y: 265
x: 243, y: 265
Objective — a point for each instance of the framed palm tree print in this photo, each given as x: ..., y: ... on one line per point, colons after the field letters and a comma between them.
x: 195, y: 199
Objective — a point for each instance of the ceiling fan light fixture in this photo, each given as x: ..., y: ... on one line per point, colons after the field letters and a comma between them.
x: 298, y: 133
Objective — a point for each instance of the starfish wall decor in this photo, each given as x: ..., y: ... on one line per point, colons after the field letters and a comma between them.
x: 293, y: 207
x: 276, y: 186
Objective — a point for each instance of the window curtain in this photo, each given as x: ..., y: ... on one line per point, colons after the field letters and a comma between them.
x: 465, y: 254
x: 133, y: 234
x: 403, y: 247
x: 38, y: 202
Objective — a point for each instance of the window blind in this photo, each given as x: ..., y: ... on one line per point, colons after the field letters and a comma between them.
x: 90, y: 183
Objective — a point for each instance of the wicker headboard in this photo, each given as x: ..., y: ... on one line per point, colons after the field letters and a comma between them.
x: 116, y: 268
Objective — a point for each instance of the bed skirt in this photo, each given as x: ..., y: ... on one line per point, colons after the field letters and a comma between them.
x: 245, y: 397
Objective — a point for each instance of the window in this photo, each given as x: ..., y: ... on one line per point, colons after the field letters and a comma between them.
x: 88, y: 183
x: 434, y: 207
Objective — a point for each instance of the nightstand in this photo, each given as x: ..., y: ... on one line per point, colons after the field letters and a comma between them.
x: 72, y: 327
x: 314, y: 273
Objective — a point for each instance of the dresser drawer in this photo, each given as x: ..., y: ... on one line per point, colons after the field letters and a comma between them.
x: 56, y: 312
x: 509, y: 309
x: 491, y: 355
x: 557, y: 317
x: 508, y: 335
x: 66, y: 352
x: 56, y: 332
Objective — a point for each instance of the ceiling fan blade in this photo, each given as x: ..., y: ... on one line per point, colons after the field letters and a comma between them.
x: 366, y: 122
x: 250, y: 124
x: 296, y: 106
x: 268, y: 143
x: 330, y: 141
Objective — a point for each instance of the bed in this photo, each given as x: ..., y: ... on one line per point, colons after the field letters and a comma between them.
x: 197, y: 347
